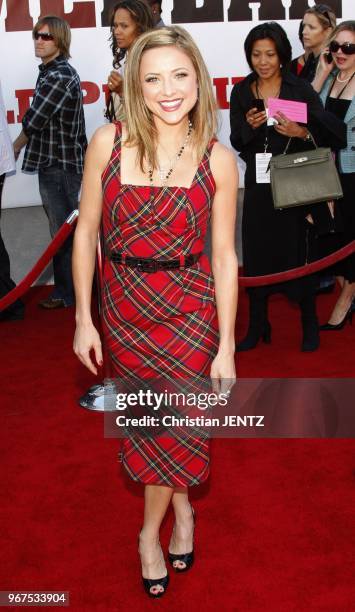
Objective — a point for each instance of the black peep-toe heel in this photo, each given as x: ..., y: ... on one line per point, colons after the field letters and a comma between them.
x: 187, y: 558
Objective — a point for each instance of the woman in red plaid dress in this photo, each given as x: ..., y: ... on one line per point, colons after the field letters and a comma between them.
x: 162, y: 176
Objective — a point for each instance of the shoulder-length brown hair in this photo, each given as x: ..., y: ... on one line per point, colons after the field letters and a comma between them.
x: 60, y: 30
x: 141, y: 131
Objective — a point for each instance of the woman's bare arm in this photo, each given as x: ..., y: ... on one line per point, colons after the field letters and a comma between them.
x: 85, y: 242
x: 224, y: 260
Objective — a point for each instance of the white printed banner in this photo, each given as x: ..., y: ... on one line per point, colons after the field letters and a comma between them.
x: 218, y: 26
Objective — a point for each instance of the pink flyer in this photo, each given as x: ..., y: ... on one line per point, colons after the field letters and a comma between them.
x: 295, y: 111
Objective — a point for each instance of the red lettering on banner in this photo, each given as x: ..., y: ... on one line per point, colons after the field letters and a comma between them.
x: 82, y: 15
x: 106, y: 91
x: 23, y: 98
x: 221, y: 92
x: 91, y: 92
x: 236, y: 80
x: 18, y: 17
x: 221, y: 85
x: 10, y: 117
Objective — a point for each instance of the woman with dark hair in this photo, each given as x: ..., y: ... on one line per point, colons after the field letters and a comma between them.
x: 315, y: 28
x: 336, y: 83
x: 129, y: 19
x: 275, y: 240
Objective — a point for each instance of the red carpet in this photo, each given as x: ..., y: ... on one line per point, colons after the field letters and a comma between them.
x: 275, y: 524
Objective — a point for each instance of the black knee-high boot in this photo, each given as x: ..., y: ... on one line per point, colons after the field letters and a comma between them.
x: 310, y: 340
x: 259, y: 326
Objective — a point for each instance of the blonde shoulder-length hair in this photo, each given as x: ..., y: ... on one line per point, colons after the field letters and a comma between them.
x: 140, y: 127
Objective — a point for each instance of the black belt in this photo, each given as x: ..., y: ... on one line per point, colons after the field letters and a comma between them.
x: 146, y: 264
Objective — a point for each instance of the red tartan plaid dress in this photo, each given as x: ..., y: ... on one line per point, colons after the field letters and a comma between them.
x: 163, y: 321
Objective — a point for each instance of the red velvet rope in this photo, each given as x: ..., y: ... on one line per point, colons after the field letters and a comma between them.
x: 60, y: 237
x: 315, y: 266
x: 246, y: 281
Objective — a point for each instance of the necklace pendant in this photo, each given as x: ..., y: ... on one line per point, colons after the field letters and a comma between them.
x: 162, y: 173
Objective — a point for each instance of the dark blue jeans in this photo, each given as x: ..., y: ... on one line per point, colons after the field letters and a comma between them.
x: 59, y: 191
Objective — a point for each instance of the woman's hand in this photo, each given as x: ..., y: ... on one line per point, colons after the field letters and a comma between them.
x: 323, y: 65
x: 115, y: 82
x: 86, y: 339
x: 223, y: 374
x: 255, y: 118
x: 288, y: 128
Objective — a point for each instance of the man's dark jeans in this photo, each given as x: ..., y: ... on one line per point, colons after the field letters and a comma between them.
x: 59, y: 191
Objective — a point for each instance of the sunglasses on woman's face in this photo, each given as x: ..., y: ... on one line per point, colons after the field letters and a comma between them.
x: 347, y: 48
x: 43, y: 36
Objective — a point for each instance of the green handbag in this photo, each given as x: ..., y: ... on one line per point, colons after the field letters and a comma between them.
x: 305, y: 177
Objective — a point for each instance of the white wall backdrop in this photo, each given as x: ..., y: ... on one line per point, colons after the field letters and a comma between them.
x: 221, y: 45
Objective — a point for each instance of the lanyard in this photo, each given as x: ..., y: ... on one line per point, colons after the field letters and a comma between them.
x: 266, y: 141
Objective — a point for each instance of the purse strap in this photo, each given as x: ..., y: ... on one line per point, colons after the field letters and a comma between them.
x: 289, y: 140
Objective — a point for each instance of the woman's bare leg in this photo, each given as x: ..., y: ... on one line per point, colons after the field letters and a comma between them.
x: 343, y: 304
x: 181, y: 541
x: 157, y: 499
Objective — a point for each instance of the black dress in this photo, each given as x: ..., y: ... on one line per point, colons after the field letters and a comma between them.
x: 308, y: 70
x: 277, y: 240
x: 345, y: 206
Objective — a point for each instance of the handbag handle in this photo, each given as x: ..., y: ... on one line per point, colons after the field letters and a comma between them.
x: 289, y: 140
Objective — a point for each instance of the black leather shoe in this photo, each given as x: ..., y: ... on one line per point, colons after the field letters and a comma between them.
x: 310, y: 327
x: 52, y: 303
x: 310, y: 340
x: 149, y: 583
x: 326, y: 289
x: 12, y: 315
x: 331, y: 327
x: 253, y: 336
x: 186, y: 558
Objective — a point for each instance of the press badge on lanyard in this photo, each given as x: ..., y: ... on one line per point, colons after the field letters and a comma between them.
x: 261, y: 167
x: 262, y: 160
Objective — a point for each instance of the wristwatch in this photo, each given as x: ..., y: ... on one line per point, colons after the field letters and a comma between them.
x: 308, y: 137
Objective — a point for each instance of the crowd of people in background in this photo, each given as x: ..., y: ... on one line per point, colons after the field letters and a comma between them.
x: 155, y: 177
x: 53, y: 135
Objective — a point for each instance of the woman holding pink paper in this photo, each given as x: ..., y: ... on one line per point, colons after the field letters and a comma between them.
x: 273, y: 240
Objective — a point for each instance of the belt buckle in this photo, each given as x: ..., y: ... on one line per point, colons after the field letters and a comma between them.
x: 147, y: 266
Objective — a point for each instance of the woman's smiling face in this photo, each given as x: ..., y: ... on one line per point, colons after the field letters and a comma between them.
x: 169, y: 83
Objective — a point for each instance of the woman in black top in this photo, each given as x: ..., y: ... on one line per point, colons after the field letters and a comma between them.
x: 275, y: 240
x: 336, y: 84
x: 315, y: 29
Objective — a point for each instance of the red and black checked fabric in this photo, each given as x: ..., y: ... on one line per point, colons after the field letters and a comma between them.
x: 163, y: 322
